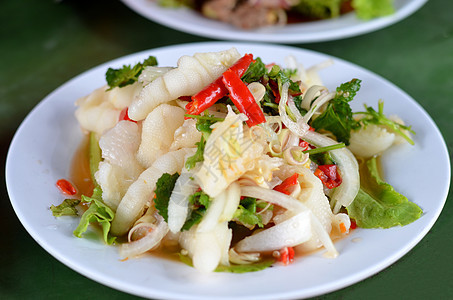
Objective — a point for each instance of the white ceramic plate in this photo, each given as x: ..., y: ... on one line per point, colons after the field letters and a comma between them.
x: 43, y: 147
x: 348, y: 25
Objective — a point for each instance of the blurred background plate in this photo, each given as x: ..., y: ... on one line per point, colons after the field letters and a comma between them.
x: 348, y: 25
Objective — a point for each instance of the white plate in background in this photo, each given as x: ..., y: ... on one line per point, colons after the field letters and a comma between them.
x: 348, y: 25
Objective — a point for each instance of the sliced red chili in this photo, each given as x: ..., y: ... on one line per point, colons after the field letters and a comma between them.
x: 286, y: 255
x: 243, y: 99
x: 353, y: 224
x: 124, y: 116
x: 287, y: 184
x: 66, y: 187
x: 216, y: 90
x: 329, y: 176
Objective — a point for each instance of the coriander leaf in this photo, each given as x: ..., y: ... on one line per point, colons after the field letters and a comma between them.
x: 378, y: 205
x: 97, y: 212
x: 255, y: 71
x: 246, y: 213
x: 200, y: 202
x: 66, y: 208
x: 337, y: 118
x: 164, y: 186
x: 198, y: 156
x: 127, y: 74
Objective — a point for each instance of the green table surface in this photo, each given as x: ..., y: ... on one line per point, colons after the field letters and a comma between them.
x: 45, y: 43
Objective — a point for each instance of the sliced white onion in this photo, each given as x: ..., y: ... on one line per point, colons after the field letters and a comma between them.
x: 178, y: 205
x: 297, y: 128
x: 148, y: 242
x: 348, y: 167
x: 273, y: 197
x: 289, y: 233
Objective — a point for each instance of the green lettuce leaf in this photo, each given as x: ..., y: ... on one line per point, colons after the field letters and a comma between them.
x: 234, y: 268
x: 97, y: 212
x: 368, y: 9
x: 66, y: 208
x: 378, y: 205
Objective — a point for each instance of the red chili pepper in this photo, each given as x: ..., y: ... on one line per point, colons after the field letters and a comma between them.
x: 243, y: 99
x: 328, y: 175
x: 285, y: 186
x: 304, y: 145
x: 66, y: 187
x: 216, y: 90
x: 353, y: 224
x: 124, y: 116
x: 286, y: 255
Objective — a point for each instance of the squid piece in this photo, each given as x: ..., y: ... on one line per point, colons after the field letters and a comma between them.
x: 140, y: 192
x: 95, y: 113
x: 191, y: 75
x: 158, y: 132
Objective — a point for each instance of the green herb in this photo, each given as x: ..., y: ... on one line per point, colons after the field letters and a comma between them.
x: 378, y: 118
x: 337, y: 118
x: 97, y: 212
x: 235, y: 268
x: 66, y: 208
x: 127, y: 75
x: 203, y: 125
x: 255, y: 71
x: 325, y: 149
x: 246, y: 213
x: 164, y: 186
x: 199, y: 202
x: 323, y: 9
x: 378, y: 205
x: 198, y: 156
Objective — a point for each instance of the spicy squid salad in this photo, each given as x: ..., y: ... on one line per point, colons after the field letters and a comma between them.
x: 232, y: 164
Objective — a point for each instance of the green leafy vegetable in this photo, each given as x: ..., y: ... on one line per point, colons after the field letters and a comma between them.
x: 199, y: 202
x: 198, y: 156
x: 319, y: 8
x: 95, y: 155
x: 66, y: 208
x: 164, y: 186
x: 368, y: 9
x: 204, y: 126
x: 255, y: 71
x: 127, y: 74
x: 97, y: 212
x: 234, y: 268
x: 337, y: 118
x: 378, y: 205
x: 246, y: 213
x: 378, y: 118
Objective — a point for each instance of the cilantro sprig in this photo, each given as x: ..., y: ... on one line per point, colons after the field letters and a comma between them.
x: 127, y: 75
x: 338, y: 116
